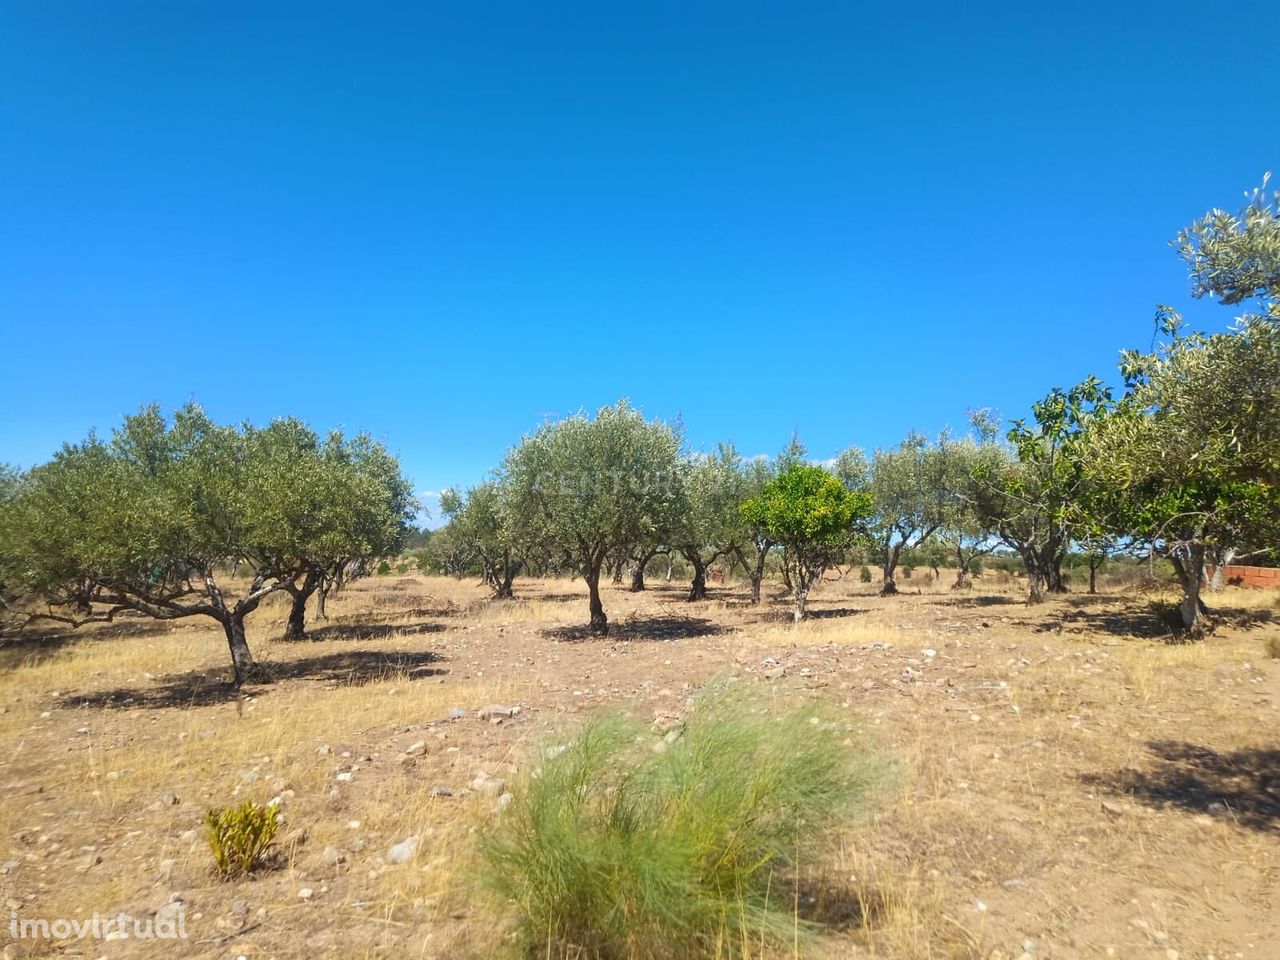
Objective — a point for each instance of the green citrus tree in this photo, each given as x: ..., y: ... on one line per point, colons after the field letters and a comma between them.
x: 812, y: 515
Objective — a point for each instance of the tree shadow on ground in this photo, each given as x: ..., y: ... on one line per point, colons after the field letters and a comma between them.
x: 201, y: 688
x: 1242, y: 784
x: 647, y: 629
x: 368, y: 631
x: 1121, y: 617
x: 25, y: 645
x: 980, y: 600
x: 834, y: 905
x: 835, y: 613
x: 29, y: 649
x: 1122, y: 620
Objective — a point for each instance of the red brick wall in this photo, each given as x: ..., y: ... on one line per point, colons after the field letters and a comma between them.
x: 1242, y: 576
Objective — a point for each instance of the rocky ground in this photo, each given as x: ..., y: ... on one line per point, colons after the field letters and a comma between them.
x: 1064, y: 782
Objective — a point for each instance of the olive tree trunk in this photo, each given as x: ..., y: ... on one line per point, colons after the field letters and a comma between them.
x: 242, y: 661
x: 698, y: 588
x: 1190, y: 570
x: 296, y: 626
x: 599, y: 624
x: 889, y: 571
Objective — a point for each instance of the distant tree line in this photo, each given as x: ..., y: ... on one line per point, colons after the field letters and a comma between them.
x: 1183, y: 466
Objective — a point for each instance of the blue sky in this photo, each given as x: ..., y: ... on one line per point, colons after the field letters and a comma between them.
x: 443, y: 223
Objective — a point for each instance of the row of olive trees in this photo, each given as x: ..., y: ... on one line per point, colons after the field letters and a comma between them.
x: 1183, y: 465
x: 584, y: 492
x: 156, y: 520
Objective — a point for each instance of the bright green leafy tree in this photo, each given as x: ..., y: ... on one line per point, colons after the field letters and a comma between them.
x: 812, y: 515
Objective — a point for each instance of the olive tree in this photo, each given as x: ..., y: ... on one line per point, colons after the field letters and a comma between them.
x: 969, y: 463
x: 753, y: 541
x: 9, y: 481
x: 710, y: 521
x: 908, y: 486
x: 585, y: 487
x: 349, y: 505
x: 812, y: 515
x: 159, y: 519
x: 482, y: 523
x: 1031, y: 494
x: 1236, y: 256
x: 1189, y: 461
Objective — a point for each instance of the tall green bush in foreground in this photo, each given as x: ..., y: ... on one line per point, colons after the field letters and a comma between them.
x: 624, y: 846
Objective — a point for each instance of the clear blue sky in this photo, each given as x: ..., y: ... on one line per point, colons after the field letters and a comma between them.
x: 442, y: 223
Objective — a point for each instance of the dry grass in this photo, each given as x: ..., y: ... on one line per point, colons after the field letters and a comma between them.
x: 1062, y: 774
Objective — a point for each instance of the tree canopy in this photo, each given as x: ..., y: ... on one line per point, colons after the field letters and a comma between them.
x: 155, y: 520
x: 812, y: 515
x: 585, y: 487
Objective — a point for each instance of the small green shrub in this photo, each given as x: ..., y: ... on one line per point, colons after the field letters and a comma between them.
x: 624, y: 846
x: 241, y: 836
x: 1273, y: 646
x: 383, y: 568
x: 906, y: 571
x: 864, y: 575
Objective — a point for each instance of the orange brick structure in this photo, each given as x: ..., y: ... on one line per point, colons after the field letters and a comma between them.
x: 1241, y: 576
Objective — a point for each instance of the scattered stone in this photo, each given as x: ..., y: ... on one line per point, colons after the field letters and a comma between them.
x: 487, y: 785
x: 306, y: 893
x: 498, y: 711
x: 1217, y: 809
x: 457, y: 713
x: 324, y: 750
x: 166, y: 870
x: 505, y: 800
x: 776, y: 673
x: 331, y: 856
x: 1112, y: 809
x: 440, y: 792
x: 416, y: 748
x: 8, y: 866
x: 402, y: 851
x: 344, y: 776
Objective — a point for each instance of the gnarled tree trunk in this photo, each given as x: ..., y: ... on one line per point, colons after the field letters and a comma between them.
x: 1189, y: 566
x: 242, y: 661
x: 638, y: 567
x: 599, y: 623
x: 296, y: 626
x: 698, y: 588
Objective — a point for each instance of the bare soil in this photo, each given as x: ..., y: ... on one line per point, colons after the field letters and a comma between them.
x: 1065, y: 782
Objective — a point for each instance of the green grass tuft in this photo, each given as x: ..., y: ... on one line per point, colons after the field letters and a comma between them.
x: 239, y: 837
x: 622, y: 845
